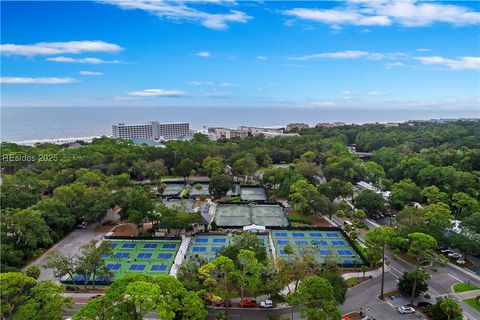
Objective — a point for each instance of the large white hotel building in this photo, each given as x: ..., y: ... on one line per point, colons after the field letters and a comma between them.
x: 151, y: 131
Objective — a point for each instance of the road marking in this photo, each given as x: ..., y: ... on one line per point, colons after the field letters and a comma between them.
x: 399, y: 272
x: 455, y: 277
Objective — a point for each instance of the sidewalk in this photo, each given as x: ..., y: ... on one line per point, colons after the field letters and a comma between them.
x: 182, y: 251
x: 373, y: 273
x: 468, y: 294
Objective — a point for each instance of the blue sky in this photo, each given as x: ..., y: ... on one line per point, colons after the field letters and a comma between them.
x: 361, y: 54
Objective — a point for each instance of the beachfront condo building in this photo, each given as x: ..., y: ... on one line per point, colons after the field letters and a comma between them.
x: 151, y: 131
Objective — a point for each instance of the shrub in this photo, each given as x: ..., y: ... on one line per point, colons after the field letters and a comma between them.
x: 33, y: 271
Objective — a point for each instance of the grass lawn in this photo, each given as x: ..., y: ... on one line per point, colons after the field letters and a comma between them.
x: 299, y: 218
x: 474, y: 303
x: 351, y: 282
x: 462, y: 287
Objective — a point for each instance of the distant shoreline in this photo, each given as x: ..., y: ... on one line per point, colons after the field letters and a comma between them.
x: 63, y: 140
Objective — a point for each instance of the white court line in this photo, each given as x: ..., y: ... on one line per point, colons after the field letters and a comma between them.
x: 455, y: 277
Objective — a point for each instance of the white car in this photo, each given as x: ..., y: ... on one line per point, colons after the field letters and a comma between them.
x: 455, y: 255
x: 461, y: 261
x: 266, y: 304
x: 405, y: 310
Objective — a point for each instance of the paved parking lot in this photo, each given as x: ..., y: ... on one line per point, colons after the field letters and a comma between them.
x: 69, y: 245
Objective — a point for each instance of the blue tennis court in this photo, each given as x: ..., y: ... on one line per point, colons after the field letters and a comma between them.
x: 137, y: 267
x: 158, y: 267
x: 344, y: 252
x: 298, y: 234
x: 79, y: 278
x: 324, y: 245
x: 207, y: 246
x: 164, y: 256
x: 333, y: 235
x: 315, y: 235
x: 129, y: 245
x: 144, y: 256
x: 169, y: 246
x: 114, y: 244
x: 301, y: 242
x: 319, y: 243
x: 150, y: 246
x: 122, y: 255
x: 101, y: 279
x: 113, y: 267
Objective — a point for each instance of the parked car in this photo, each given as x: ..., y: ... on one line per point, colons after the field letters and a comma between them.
x: 446, y: 251
x: 94, y: 297
x: 460, y: 261
x: 405, y: 310
x: 81, y: 226
x: 266, y: 304
x: 455, y: 255
x: 248, y: 303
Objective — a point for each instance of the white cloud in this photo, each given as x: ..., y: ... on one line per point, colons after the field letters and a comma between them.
x: 322, y: 103
x: 50, y: 48
x: 82, y: 60
x: 90, y: 73
x: 180, y: 12
x: 463, y: 63
x: 227, y: 84
x: 42, y: 80
x: 211, y: 84
x: 203, y: 54
x: 262, y: 58
x: 200, y: 83
x: 157, y: 93
x: 408, y: 13
x: 377, y: 93
x: 422, y: 49
x: 391, y: 65
x: 349, y: 54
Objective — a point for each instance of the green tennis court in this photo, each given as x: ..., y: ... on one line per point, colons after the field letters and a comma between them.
x: 322, y: 244
x: 207, y: 246
x: 253, y: 194
x: 239, y: 215
x: 173, y: 189
x: 144, y: 256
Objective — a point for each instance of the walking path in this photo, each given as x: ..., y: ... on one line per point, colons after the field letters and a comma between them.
x: 374, y: 273
x: 180, y: 256
x: 468, y: 294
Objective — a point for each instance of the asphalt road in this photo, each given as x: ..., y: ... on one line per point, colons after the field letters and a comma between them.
x: 365, y: 294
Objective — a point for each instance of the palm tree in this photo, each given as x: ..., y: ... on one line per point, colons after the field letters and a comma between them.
x: 450, y: 307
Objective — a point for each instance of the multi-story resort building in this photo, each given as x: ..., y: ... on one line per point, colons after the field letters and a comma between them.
x: 151, y: 131
x: 244, y: 131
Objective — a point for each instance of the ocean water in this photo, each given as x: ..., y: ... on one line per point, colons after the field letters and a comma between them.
x: 20, y: 124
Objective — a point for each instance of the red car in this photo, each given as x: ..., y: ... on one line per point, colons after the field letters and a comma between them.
x: 248, y: 303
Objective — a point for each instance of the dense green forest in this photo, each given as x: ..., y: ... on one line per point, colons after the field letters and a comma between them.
x: 47, y: 189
